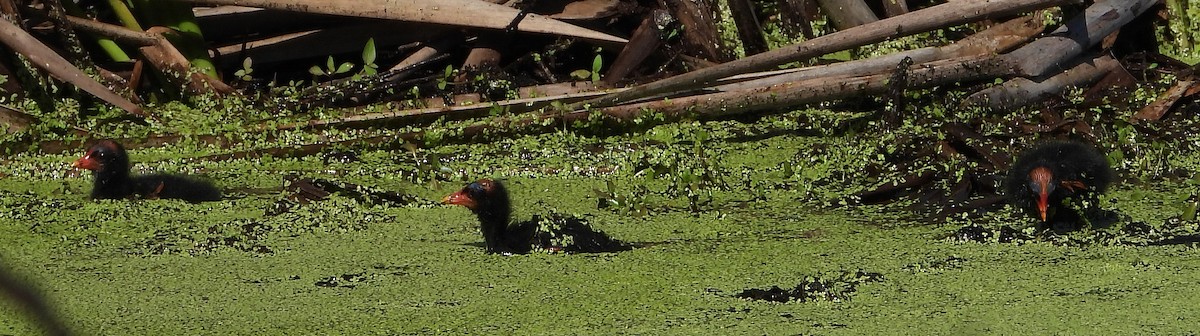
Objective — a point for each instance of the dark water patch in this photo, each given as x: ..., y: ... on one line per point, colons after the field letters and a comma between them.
x: 305, y: 190
x: 363, y: 277
x: 837, y: 288
x: 936, y: 264
x: 256, y: 236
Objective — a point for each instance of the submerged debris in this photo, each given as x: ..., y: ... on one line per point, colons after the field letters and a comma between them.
x: 815, y: 288
x: 1174, y: 231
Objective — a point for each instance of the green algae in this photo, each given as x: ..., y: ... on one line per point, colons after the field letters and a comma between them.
x: 770, y: 213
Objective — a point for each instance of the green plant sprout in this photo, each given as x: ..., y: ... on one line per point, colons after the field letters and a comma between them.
x: 330, y: 69
x: 368, y: 57
x: 594, y: 74
x: 246, y: 71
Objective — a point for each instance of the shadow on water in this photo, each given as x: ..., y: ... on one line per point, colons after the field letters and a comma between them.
x: 31, y: 302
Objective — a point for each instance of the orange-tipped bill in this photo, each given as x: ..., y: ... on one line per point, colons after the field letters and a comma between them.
x: 87, y: 162
x: 1041, y: 178
x: 460, y: 198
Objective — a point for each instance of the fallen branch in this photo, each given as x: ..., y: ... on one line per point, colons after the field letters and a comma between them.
x: 1055, y: 52
x: 994, y: 40
x: 1024, y: 91
x: 465, y: 13
x: 940, y: 16
x: 21, y: 42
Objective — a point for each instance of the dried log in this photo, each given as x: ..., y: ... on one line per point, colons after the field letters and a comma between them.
x: 21, y: 42
x: 1055, y: 52
x: 847, y: 14
x: 807, y: 91
x: 465, y: 13
x: 920, y: 21
x: 1023, y: 91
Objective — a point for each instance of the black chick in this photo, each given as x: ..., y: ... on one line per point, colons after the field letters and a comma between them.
x: 489, y: 200
x: 1045, y: 176
x: 110, y: 166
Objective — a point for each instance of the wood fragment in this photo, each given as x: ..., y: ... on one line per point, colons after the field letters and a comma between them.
x: 645, y: 40
x: 1159, y: 107
x: 115, y: 32
x: 895, y: 7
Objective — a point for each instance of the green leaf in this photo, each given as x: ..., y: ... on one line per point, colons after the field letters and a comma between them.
x: 597, y: 63
x: 344, y: 68
x: 329, y: 64
x: 247, y: 63
x: 368, y: 54
x: 316, y: 71
x: 581, y: 74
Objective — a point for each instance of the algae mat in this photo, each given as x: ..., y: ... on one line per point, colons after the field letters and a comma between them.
x: 350, y: 266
